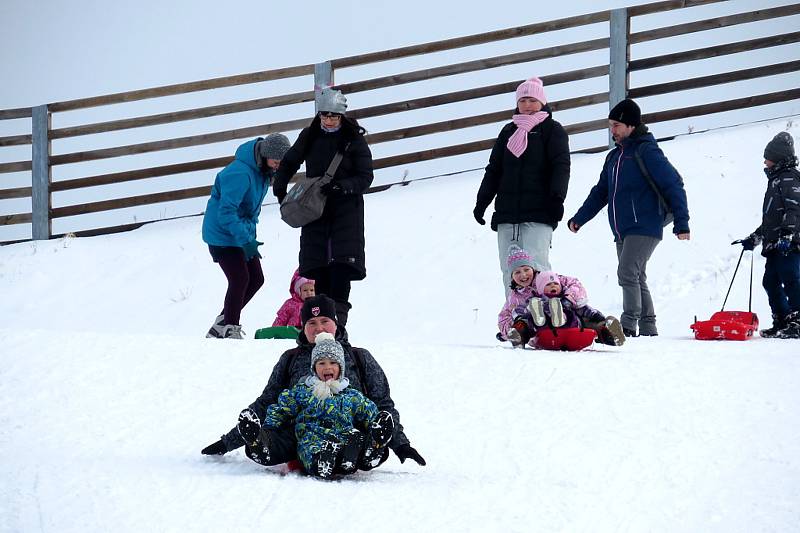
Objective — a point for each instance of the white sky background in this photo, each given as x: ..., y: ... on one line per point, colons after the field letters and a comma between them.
x: 53, y: 51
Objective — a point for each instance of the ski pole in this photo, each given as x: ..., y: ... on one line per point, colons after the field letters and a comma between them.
x: 734, y: 277
x: 750, y: 301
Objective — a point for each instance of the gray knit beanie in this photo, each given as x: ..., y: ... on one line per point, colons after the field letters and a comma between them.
x: 779, y: 148
x: 332, y: 101
x: 326, y: 347
x: 273, y: 146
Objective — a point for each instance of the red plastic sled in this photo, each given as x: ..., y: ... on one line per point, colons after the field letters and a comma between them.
x: 726, y: 325
x: 568, y: 339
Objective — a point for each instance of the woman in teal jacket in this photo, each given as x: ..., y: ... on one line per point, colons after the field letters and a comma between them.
x: 229, y: 225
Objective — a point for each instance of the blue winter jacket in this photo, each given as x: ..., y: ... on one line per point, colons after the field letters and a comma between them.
x: 236, y: 198
x: 632, y: 204
x: 317, y: 420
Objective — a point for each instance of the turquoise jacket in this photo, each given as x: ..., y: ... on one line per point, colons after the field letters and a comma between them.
x: 317, y: 420
x: 236, y: 197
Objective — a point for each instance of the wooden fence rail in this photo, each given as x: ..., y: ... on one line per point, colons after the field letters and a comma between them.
x: 618, y: 41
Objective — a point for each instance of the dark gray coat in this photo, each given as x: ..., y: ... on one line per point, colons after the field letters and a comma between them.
x: 781, y: 209
x: 338, y: 235
x: 363, y: 371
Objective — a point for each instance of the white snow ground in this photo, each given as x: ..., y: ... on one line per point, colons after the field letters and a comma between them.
x: 108, y: 389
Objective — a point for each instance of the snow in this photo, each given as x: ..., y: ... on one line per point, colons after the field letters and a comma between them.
x: 108, y: 389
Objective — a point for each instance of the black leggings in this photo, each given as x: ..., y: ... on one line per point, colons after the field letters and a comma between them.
x: 244, y: 279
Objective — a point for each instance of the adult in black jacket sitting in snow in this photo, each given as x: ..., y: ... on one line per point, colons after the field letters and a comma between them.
x: 332, y: 247
x: 365, y: 375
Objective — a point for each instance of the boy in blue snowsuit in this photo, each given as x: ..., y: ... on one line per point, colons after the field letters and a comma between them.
x: 338, y: 429
x: 229, y: 225
x: 780, y: 234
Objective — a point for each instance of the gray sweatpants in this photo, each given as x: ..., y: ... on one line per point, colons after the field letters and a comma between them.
x: 637, y: 305
x: 533, y: 237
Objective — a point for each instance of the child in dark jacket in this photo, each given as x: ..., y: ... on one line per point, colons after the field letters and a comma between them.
x: 547, y: 299
x: 780, y: 234
x: 300, y: 288
x: 338, y: 429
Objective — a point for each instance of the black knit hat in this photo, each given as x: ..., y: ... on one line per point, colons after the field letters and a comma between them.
x: 319, y: 305
x: 626, y: 112
x: 779, y: 148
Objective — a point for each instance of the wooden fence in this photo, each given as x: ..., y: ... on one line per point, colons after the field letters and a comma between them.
x: 617, y: 41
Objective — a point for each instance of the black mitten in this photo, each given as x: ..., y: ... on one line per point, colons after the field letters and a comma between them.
x: 218, y: 448
x: 332, y: 188
x: 478, y: 214
x: 407, y: 452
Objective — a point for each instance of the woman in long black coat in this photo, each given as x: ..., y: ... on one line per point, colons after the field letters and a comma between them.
x: 332, y: 247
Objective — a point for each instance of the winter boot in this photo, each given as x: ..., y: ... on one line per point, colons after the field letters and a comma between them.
x: 215, y: 332
x: 324, y: 461
x: 232, y: 331
x: 778, y: 323
x: 557, y: 316
x: 792, y: 329
x: 342, y: 310
x: 629, y: 332
x: 519, y: 334
x: 536, y: 309
x: 382, y: 429
x: 611, y: 332
x: 352, y: 443
x: 249, y: 427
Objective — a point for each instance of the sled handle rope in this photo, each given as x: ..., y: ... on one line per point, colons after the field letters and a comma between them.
x: 750, y: 301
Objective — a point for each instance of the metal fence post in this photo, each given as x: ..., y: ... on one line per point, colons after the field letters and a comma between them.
x: 323, y: 77
x: 40, y: 174
x: 618, y: 76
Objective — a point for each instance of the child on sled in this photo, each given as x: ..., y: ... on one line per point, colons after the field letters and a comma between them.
x: 287, y: 323
x: 338, y: 429
x: 548, y: 300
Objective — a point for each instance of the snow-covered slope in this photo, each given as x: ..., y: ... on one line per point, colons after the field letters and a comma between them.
x: 108, y: 390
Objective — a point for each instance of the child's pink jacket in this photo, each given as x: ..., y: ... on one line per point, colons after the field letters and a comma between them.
x: 289, y: 313
x: 572, y: 289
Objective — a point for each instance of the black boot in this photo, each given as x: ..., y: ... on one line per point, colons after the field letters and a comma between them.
x: 778, y: 323
x: 352, y: 443
x: 324, y: 462
x: 342, y: 310
x: 249, y: 426
x: 792, y: 329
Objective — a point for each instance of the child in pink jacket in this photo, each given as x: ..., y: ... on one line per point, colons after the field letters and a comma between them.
x: 300, y: 288
x: 546, y: 299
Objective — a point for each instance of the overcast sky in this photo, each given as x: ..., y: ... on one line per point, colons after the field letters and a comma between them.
x: 54, y: 50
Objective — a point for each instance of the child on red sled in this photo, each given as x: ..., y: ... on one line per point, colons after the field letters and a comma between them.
x: 548, y: 300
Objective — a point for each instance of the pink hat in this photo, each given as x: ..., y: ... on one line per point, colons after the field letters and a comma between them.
x: 543, y: 278
x: 300, y: 282
x: 533, y: 88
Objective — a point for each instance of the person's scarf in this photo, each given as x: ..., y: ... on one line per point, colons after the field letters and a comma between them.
x: 518, y: 141
x: 326, y: 389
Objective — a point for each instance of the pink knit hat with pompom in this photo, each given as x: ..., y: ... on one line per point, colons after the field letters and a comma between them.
x: 532, y: 88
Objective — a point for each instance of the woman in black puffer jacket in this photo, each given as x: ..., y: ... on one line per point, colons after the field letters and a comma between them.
x: 332, y: 247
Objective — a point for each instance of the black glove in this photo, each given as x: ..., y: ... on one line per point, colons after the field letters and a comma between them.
x: 332, y: 188
x: 478, y: 214
x: 405, y: 451
x: 218, y: 448
x: 748, y: 243
x: 566, y: 304
x: 555, y: 208
x: 280, y: 198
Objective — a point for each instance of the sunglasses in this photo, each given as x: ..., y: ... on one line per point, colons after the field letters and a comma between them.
x: 325, y: 114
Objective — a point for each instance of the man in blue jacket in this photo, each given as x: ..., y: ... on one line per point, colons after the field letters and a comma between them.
x: 635, y: 210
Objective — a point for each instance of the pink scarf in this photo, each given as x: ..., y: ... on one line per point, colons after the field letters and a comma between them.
x: 518, y: 141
